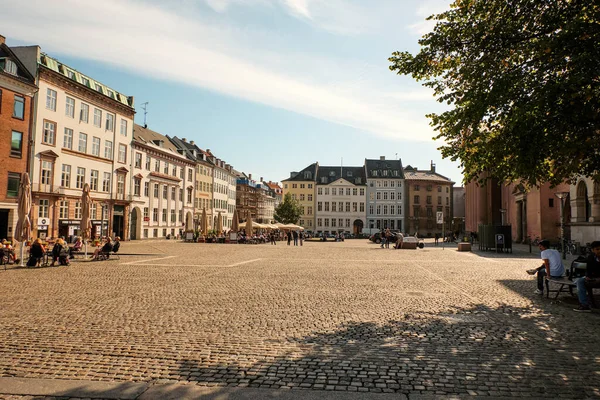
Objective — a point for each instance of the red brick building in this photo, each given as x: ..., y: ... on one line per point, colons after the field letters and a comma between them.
x: 530, y: 212
x: 17, y: 87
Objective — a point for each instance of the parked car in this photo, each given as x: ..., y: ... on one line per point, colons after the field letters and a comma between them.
x: 376, y: 237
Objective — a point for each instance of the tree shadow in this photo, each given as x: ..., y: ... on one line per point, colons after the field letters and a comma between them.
x: 507, y: 351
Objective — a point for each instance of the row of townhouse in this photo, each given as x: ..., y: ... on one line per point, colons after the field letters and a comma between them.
x: 67, y: 130
x: 380, y: 194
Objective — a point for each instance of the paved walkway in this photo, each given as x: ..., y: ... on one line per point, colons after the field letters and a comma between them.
x: 201, y: 320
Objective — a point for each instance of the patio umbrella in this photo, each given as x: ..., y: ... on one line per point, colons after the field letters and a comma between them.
x: 235, y: 224
x: 249, y: 226
x: 204, y: 222
x: 23, y: 231
x: 219, y: 223
x: 86, y: 222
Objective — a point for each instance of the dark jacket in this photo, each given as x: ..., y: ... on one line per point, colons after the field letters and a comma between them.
x: 36, y: 251
x: 107, y: 248
x: 592, y: 269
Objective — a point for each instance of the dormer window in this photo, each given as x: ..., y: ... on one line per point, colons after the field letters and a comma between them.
x: 331, y: 173
x: 349, y: 173
x: 99, y: 88
x: 324, y: 179
x: 358, y: 181
x: 307, y: 175
x: 71, y: 75
x: 9, y: 66
x: 110, y: 93
x: 85, y: 81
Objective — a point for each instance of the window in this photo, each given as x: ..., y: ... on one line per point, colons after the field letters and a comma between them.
x: 447, y: 201
x: 385, y: 195
x: 362, y: 191
x: 82, y: 147
x: 49, y: 133
x: 68, y: 139
x: 334, y: 192
x: 319, y: 222
x: 70, y: 107
x: 319, y: 206
x: 439, y: 199
x: 354, y: 206
x: 309, y: 197
x: 148, y: 162
x: 98, y: 118
x: 173, y: 216
x: 108, y: 149
x: 65, y: 176
x: 378, y: 195
x: 173, y: 193
x: 309, y: 210
x: 63, y: 210
x: 85, y: 81
x: 122, y: 153
x: 46, y: 178
x: 77, y: 210
x: 146, y: 189
x: 333, y: 222
x: 110, y: 122
x: 10, y: 67
x: 550, y: 203
x: 106, y: 182
x: 43, y: 210
x: 138, y: 160
x: 146, y: 213
x: 417, y: 199
x: 123, y: 127
x: 190, y: 174
x: 189, y: 195
x: 333, y: 208
x: 392, y: 209
x: 166, y: 168
x: 93, y: 210
x: 156, y: 190
x: 439, y: 188
x: 80, y: 179
x: 84, y: 113
x: 302, y: 186
x: 164, y: 215
x: 302, y: 197
x: 19, y: 107
x: 347, y: 206
x: 99, y: 88
x: 155, y: 216
x: 51, y: 99
x: 326, y: 191
x: 94, y: 180
x: 174, y: 170
x: 182, y: 172
x: 96, y: 146
x: 16, y: 144
x: 157, y: 166
x: 417, y: 187
x: 121, y: 186
x: 165, y: 192
x: 14, y: 180
x: 392, y: 195
x: 428, y: 200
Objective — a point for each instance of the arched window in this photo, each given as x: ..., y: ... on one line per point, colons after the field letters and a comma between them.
x: 584, y: 206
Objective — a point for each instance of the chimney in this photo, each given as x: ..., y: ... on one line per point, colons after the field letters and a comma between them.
x: 250, y: 176
x: 381, y: 158
x: 2, y: 39
x: 208, y: 151
x: 432, y: 167
x: 261, y: 178
x: 184, y: 140
x: 192, y: 142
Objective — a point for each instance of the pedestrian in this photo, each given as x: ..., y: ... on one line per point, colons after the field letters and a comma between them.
x: 591, y: 280
x: 437, y: 238
x: 552, y: 266
x: 289, y: 237
x: 382, y: 237
x: 272, y: 237
x: 295, y: 233
x: 388, y: 238
x: 301, y: 238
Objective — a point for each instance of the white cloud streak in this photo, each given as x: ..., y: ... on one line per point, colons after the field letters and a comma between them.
x: 162, y: 44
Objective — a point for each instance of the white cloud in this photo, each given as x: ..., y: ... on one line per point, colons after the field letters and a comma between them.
x: 188, y: 49
x: 427, y: 8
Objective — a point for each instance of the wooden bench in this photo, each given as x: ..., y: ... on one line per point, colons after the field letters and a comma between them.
x: 462, y: 246
x: 566, y: 284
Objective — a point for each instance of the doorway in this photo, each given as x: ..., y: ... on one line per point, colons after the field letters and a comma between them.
x: 4, y: 224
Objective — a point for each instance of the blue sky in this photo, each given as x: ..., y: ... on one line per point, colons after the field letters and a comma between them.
x: 269, y: 86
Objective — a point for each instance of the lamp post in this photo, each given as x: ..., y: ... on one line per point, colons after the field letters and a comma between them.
x: 503, y: 216
x: 562, y: 197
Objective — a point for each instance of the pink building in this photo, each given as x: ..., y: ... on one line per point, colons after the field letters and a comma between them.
x: 531, y: 213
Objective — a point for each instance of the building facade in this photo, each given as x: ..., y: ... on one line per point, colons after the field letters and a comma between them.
x: 302, y: 187
x: 385, y: 195
x: 275, y: 191
x: 582, y: 210
x: 340, y: 200
x: 224, y: 191
x: 17, y: 88
x: 82, y: 133
x: 266, y: 203
x: 163, y: 187
x: 427, y: 193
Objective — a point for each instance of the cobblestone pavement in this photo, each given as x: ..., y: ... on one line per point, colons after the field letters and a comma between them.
x: 331, y: 316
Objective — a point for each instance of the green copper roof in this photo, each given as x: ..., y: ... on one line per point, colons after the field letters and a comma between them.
x: 85, y: 80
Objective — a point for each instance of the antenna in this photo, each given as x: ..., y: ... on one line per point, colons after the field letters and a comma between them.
x: 144, y: 107
x: 396, y: 156
x: 342, y: 168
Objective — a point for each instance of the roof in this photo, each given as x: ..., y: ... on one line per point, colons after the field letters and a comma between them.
x: 411, y: 173
x: 307, y: 174
x: 149, y: 137
x: 375, y: 168
x: 21, y: 74
x: 273, y: 185
x: 327, y: 175
x: 191, y: 150
x: 71, y: 73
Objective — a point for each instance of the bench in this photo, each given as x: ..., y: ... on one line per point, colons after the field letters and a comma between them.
x: 462, y: 246
x: 566, y: 283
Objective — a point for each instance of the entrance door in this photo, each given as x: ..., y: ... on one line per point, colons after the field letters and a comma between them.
x: 118, y: 225
x: 134, y: 222
x: 4, y: 224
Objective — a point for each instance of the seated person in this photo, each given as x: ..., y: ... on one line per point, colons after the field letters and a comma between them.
x: 76, y: 247
x: 116, y: 245
x: 60, y: 252
x: 9, y: 251
x: 551, y: 268
x: 591, y: 280
x: 399, y: 240
x: 105, y: 249
x: 36, y: 253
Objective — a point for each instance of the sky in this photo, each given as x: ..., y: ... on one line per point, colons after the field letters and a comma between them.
x: 269, y: 86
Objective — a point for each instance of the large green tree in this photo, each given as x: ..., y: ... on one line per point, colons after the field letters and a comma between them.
x: 289, y: 211
x: 521, y: 79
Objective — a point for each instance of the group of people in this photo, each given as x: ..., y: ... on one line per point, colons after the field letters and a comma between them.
x: 554, y: 268
x: 8, y: 252
x: 296, y: 236
x: 62, y: 253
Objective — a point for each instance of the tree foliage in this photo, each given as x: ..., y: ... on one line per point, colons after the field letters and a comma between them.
x: 288, y: 211
x: 521, y: 78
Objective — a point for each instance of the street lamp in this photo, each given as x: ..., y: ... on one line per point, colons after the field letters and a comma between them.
x: 562, y: 196
x: 503, y: 216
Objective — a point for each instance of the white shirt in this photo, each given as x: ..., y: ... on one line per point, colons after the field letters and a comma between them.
x: 556, y: 266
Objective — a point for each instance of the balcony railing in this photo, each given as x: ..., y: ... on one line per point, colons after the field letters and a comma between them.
x: 46, y: 188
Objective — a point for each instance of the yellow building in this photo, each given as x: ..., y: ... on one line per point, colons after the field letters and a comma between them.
x: 301, y: 185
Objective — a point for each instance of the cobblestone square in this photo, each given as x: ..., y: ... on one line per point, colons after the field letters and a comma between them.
x: 330, y: 316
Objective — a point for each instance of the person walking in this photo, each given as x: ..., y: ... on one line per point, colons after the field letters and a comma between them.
x: 301, y: 237
x: 437, y: 238
x: 289, y: 237
x: 382, y: 236
x: 388, y: 238
x: 295, y: 233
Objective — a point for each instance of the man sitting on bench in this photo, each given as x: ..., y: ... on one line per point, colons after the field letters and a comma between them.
x: 590, y: 281
x: 101, y: 251
x: 551, y: 268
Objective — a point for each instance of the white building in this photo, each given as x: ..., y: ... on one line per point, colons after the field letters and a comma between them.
x: 163, y: 187
x: 82, y: 134
x: 223, y: 195
x: 386, y: 195
x: 341, y: 194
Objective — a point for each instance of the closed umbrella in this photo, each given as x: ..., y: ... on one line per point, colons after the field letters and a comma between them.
x: 235, y: 225
x: 23, y: 231
x: 249, y: 226
x: 204, y: 222
x: 219, y: 223
x: 86, y: 223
